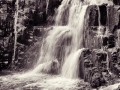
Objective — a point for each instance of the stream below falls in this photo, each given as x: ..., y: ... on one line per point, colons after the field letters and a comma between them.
x: 40, y: 82
x: 27, y: 81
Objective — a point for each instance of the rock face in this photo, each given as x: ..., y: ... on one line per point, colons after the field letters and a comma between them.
x: 102, y: 37
x: 93, y: 15
x: 103, y: 14
x: 101, y: 23
x: 92, y: 67
x: 116, y: 2
x: 113, y: 17
x: 114, y: 61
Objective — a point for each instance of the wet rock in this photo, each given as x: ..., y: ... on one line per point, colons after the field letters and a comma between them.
x: 38, y: 31
x: 116, y: 2
x: 103, y: 66
x: 109, y: 19
x: 106, y: 75
x: 92, y: 12
x: 97, y: 43
x: 50, y: 67
x: 111, y: 41
x: 99, y: 59
x: 97, y: 80
x: 114, y: 63
x: 94, y: 64
x: 91, y: 38
x: 54, y: 67
x: 118, y: 37
x: 105, y: 41
x: 85, y: 63
x: 113, y: 17
x: 87, y: 70
x: 95, y: 12
x: 103, y: 14
x: 95, y: 38
x: 52, y: 5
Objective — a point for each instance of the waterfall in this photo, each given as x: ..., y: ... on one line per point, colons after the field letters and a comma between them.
x: 64, y: 43
x: 76, y: 21
x: 70, y: 68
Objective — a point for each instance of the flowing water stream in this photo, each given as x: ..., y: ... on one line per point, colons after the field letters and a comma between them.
x: 64, y: 43
x: 60, y: 52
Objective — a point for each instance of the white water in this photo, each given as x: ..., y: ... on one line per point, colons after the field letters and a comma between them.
x: 71, y: 70
x: 61, y: 52
x: 65, y: 43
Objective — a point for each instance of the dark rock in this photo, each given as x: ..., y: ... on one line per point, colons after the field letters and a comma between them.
x: 99, y: 60
x: 116, y: 2
x: 113, y: 17
x: 118, y: 37
x: 103, y: 14
x: 85, y: 63
x: 97, y: 80
x: 91, y: 39
x: 111, y: 41
x: 93, y: 15
x: 114, y: 63
x: 105, y: 41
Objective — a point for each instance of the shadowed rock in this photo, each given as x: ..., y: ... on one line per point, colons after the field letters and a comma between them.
x: 116, y: 2
x: 111, y: 41
x: 113, y: 17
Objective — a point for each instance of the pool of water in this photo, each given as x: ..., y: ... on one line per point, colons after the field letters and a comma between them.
x: 40, y: 82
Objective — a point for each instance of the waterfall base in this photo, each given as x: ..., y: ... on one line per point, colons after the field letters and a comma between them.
x: 40, y: 82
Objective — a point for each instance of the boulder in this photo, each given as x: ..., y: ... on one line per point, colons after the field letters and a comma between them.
x: 50, y: 67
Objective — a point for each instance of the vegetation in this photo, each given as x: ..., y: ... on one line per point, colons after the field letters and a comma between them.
x: 18, y: 24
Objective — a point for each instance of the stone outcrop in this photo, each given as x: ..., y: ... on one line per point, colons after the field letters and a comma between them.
x: 114, y: 61
x: 102, y: 37
x: 101, y: 26
x: 93, y: 64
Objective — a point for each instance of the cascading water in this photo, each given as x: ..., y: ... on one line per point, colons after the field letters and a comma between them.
x: 76, y: 21
x: 62, y: 52
x: 64, y: 44
x: 70, y: 68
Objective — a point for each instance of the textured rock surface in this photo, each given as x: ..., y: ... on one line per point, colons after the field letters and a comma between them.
x: 100, y: 21
x: 116, y: 2
x: 113, y: 17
